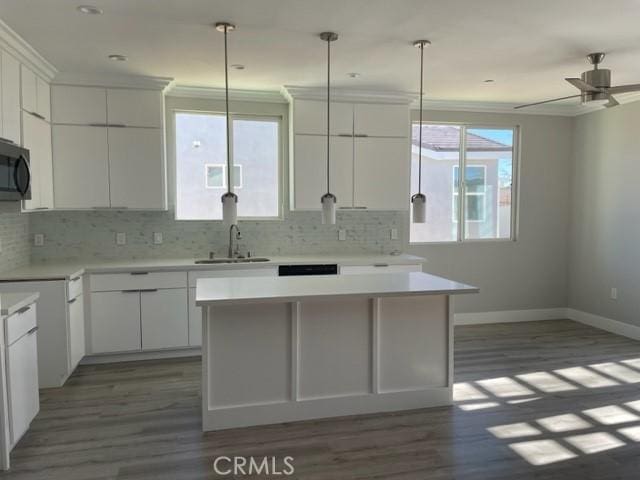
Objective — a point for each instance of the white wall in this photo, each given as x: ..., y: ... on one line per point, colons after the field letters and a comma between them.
x: 605, y: 214
x: 532, y: 271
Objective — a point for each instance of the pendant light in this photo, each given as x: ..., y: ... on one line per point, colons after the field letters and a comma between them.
x: 328, y: 200
x: 419, y: 201
x: 229, y: 199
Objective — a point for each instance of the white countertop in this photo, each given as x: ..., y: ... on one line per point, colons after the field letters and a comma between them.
x: 67, y: 270
x: 10, y: 303
x: 217, y: 291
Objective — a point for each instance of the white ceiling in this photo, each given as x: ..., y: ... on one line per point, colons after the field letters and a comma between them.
x: 527, y: 46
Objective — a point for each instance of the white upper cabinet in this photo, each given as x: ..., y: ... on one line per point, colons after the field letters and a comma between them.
x: 10, y: 98
x: 37, y: 138
x: 381, y: 173
x: 36, y: 95
x: 380, y: 120
x: 79, y: 105
x: 134, y: 108
x: 310, y: 117
x: 136, y: 168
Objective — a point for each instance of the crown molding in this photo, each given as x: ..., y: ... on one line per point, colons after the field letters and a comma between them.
x: 494, y: 107
x: 19, y: 48
x: 213, y: 93
x: 291, y: 92
x: 111, y: 80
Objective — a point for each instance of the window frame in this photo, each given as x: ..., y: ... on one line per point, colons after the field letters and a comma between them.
x: 279, y: 118
x: 462, y: 163
x: 483, y: 194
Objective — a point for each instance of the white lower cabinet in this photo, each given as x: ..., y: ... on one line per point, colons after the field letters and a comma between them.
x: 76, y: 331
x: 195, y: 320
x: 115, y: 321
x: 164, y: 318
x: 378, y: 268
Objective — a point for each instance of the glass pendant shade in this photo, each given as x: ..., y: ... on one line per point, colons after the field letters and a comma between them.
x: 229, y: 209
x: 328, y: 209
x: 419, y: 204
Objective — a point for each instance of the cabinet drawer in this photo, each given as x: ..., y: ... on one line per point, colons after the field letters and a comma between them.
x: 22, y: 383
x: 137, y: 280
x: 74, y: 287
x: 240, y: 272
x: 379, y: 268
x: 20, y: 323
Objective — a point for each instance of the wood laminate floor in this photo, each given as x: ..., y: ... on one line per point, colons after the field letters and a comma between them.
x: 535, y: 400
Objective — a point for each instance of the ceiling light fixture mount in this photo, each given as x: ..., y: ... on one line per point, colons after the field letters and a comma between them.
x: 419, y: 201
x: 353, y: 75
x: 90, y: 10
x: 116, y: 57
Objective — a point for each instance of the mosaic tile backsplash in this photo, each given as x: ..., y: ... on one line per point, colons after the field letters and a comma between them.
x: 14, y: 237
x: 92, y: 235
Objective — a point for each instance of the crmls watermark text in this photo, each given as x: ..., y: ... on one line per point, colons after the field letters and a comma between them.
x: 253, y: 466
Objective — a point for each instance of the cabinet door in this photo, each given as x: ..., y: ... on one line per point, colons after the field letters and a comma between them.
x: 380, y: 120
x: 310, y: 117
x: 115, y: 322
x: 78, y: 105
x: 165, y: 321
x: 195, y: 320
x: 29, y: 89
x: 22, y: 383
x: 37, y: 138
x: 10, y: 100
x: 381, y: 173
x: 137, y: 168
x: 76, y: 331
x: 381, y: 268
x: 80, y: 161
x: 134, y: 108
x: 310, y: 171
x: 43, y: 98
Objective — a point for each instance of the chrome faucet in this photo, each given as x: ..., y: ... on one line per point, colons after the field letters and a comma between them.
x: 232, y: 253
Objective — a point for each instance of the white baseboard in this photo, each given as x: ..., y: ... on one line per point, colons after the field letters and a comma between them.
x: 508, y: 316
x: 133, y: 357
x: 604, y: 323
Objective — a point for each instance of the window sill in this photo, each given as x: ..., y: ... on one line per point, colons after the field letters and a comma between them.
x: 477, y: 240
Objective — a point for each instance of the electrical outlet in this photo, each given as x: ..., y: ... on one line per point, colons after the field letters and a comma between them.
x: 38, y: 239
x: 614, y: 293
x: 342, y: 234
x: 121, y: 238
x: 394, y: 234
x: 157, y: 238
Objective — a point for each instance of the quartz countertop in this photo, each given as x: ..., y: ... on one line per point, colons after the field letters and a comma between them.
x: 68, y: 270
x: 217, y: 291
x: 10, y: 303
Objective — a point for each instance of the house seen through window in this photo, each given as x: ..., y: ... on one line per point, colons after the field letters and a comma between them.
x: 486, y: 156
x: 201, y: 165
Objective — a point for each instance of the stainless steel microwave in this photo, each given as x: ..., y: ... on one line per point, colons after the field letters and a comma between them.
x: 15, y: 174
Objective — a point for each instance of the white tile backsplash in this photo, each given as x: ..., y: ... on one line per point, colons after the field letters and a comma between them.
x: 14, y: 237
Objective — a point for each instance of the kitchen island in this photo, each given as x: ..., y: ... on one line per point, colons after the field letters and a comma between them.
x: 284, y: 349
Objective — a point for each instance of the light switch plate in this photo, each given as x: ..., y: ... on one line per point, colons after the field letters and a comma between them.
x: 121, y: 238
x: 342, y: 234
x: 38, y: 239
x: 614, y: 293
x: 0, y: 245
x: 394, y: 234
x: 157, y: 238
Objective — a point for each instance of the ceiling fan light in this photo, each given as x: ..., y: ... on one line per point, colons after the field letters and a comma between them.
x: 229, y: 209
x: 328, y: 201
x: 419, y: 208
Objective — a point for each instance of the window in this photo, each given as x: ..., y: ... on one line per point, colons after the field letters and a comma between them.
x: 487, y: 157
x: 201, y: 170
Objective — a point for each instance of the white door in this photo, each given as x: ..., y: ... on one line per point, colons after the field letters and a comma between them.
x: 10, y: 100
x: 37, y: 138
x: 381, y: 173
x: 165, y: 321
x: 115, y: 321
x: 76, y: 331
x: 78, y: 105
x: 81, y: 166
x: 380, y: 120
x: 310, y: 171
x: 310, y: 117
x: 134, y: 108
x: 195, y: 320
x: 22, y: 380
x: 137, y: 168
x: 29, y: 90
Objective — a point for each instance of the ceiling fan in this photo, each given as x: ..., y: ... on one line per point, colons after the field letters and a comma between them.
x: 594, y: 85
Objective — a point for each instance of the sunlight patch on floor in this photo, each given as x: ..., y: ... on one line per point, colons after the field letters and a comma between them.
x: 585, y: 377
x: 546, y: 382
x: 514, y: 430
x: 542, y: 452
x: 617, y: 371
x: 465, y: 391
x: 594, y: 442
x: 563, y: 423
x: 504, y: 387
x: 632, y: 433
x: 611, y: 415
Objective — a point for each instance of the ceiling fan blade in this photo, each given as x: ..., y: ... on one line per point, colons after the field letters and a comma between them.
x: 625, y: 88
x: 612, y: 102
x: 546, y: 101
x: 582, y: 85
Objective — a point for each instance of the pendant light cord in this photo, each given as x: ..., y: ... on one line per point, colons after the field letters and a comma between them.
x: 226, y: 95
x: 328, y: 110
x: 420, y: 125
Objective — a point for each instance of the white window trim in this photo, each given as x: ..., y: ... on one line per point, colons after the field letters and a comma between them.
x: 243, y: 115
x: 515, y: 179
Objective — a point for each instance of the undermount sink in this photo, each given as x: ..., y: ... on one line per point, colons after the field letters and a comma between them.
x: 231, y: 260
